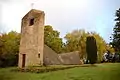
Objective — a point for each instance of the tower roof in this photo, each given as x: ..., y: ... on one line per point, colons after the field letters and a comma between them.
x: 33, y: 11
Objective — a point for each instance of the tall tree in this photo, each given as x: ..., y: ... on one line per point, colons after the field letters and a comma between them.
x: 116, y: 31
x: 91, y: 49
x: 101, y: 45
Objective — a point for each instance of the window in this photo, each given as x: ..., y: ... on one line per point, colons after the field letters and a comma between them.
x: 38, y: 55
x: 31, y: 22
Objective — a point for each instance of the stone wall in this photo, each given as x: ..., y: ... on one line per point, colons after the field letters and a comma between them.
x: 52, y: 58
x: 71, y: 58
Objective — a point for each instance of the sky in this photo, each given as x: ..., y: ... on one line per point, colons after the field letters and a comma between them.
x: 64, y: 15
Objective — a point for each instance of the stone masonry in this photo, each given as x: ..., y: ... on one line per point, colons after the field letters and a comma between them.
x: 32, y: 39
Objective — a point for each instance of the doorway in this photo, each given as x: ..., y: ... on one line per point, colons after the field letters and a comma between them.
x: 23, y: 60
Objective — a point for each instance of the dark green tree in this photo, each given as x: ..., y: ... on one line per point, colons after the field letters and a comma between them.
x: 91, y: 49
x: 116, y: 31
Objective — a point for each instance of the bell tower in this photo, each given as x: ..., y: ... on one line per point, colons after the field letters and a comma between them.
x: 32, y: 39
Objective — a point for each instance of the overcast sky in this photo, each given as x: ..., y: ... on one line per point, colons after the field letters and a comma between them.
x: 63, y: 15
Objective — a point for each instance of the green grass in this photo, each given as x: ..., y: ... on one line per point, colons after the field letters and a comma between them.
x: 106, y: 71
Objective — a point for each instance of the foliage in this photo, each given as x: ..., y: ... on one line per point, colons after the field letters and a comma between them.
x: 52, y: 39
x: 101, y: 45
x: 9, y: 49
x: 110, y: 48
x: 91, y: 49
x: 116, y: 32
x: 76, y: 41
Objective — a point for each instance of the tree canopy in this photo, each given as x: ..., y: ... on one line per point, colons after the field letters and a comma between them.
x: 9, y: 48
x: 52, y: 39
x: 116, y: 31
x: 76, y: 41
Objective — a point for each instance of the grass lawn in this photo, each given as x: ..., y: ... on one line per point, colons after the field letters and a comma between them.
x: 106, y: 71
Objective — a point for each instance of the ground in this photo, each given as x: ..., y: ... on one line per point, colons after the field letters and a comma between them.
x: 106, y: 71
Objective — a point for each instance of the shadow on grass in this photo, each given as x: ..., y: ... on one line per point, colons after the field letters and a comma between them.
x: 4, y: 76
x: 89, y: 65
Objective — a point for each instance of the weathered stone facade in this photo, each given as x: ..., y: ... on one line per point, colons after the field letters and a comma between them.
x: 71, y: 58
x: 52, y: 58
x: 32, y: 39
x: 32, y: 50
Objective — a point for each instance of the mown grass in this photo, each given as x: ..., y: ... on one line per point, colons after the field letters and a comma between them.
x: 106, y: 71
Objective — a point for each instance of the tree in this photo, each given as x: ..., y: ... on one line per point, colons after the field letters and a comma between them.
x: 1, y: 45
x: 110, y: 48
x: 9, y: 48
x: 52, y: 39
x: 91, y: 49
x: 76, y: 41
x: 116, y: 32
x: 101, y: 45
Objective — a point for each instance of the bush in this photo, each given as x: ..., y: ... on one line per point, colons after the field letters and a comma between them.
x: 8, y: 60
